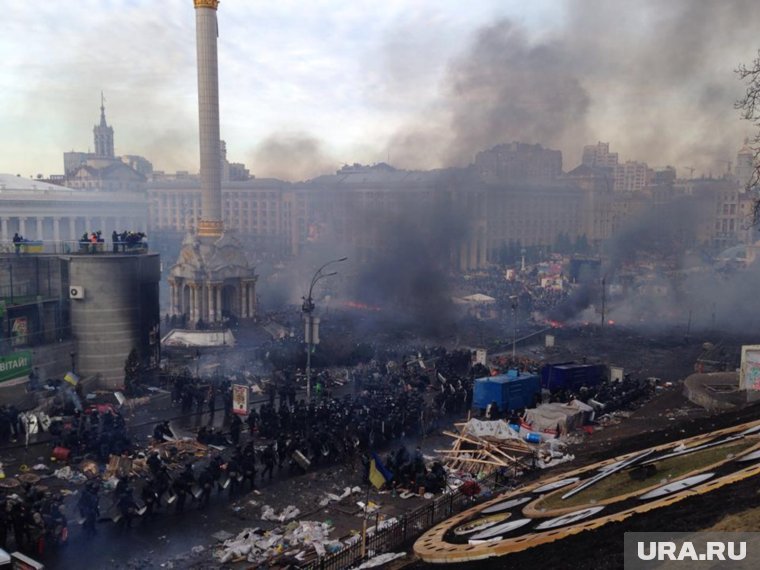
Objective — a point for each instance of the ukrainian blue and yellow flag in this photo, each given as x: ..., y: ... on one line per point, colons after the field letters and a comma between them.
x: 71, y: 378
x: 378, y: 473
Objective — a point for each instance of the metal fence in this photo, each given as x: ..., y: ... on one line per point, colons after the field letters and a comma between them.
x: 400, y: 533
x: 72, y: 247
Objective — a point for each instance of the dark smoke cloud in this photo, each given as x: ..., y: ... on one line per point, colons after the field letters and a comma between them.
x: 408, y: 279
x: 505, y: 88
x: 663, y: 233
x: 656, y: 81
x: 660, y: 235
x: 291, y: 156
x: 680, y: 286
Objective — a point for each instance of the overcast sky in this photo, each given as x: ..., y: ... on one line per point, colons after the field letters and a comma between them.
x: 306, y: 86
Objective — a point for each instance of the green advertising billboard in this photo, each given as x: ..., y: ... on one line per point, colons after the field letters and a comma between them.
x: 15, y: 365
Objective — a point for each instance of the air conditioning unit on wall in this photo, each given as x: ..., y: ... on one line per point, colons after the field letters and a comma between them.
x: 76, y: 292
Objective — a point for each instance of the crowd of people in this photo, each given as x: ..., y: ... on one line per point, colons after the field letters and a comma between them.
x: 394, y: 397
x: 127, y: 240
x: 33, y: 517
x: 94, y: 433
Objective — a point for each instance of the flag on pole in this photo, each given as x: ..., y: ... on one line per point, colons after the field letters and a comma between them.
x: 71, y: 378
x: 378, y: 473
x: 375, y: 476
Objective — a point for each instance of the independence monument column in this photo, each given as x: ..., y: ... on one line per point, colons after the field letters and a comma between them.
x: 206, y: 31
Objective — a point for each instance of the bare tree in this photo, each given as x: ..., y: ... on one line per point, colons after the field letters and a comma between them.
x: 749, y: 106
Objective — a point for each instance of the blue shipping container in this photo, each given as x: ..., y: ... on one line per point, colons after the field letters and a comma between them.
x: 509, y: 391
x: 571, y: 375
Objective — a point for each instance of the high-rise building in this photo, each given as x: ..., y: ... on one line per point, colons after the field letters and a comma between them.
x: 518, y: 163
x: 631, y: 176
x: 599, y: 156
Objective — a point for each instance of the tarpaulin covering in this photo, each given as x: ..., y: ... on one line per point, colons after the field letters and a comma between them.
x: 558, y: 416
x: 498, y: 429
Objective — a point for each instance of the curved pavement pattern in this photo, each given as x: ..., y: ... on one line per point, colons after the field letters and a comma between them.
x: 517, y: 520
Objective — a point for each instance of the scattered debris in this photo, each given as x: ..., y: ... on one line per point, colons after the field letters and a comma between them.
x: 332, y: 497
x: 482, y: 447
x: 257, y: 546
x: 290, y: 512
x: 68, y: 474
x: 371, y: 507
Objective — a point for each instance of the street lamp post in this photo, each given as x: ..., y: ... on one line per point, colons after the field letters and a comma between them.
x: 513, y: 302
x: 308, y: 310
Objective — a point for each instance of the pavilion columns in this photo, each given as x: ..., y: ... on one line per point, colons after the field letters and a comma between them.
x: 463, y: 256
x: 219, y: 301
x: 179, y: 292
x: 4, y: 229
x: 22, y: 226
x: 250, y: 296
x: 73, y: 228
x: 472, y: 261
x: 57, y: 229
x: 193, y: 304
x: 483, y: 249
x: 40, y: 221
x: 181, y: 306
x: 215, y: 301
x: 173, y: 308
x: 210, y: 302
x: 202, y: 316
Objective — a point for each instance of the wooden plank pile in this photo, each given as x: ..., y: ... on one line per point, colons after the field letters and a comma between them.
x: 482, y: 455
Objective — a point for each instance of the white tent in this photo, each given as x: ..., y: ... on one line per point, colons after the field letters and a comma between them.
x: 479, y: 298
x: 199, y: 339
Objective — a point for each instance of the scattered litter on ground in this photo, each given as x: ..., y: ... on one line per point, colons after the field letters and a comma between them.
x: 258, y: 546
x: 222, y: 535
x: 332, y: 497
x: 371, y: 507
x: 68, y: 474
x: 290, y: 512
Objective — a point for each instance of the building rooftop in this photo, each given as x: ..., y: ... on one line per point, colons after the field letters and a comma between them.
x: 13, y: 182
